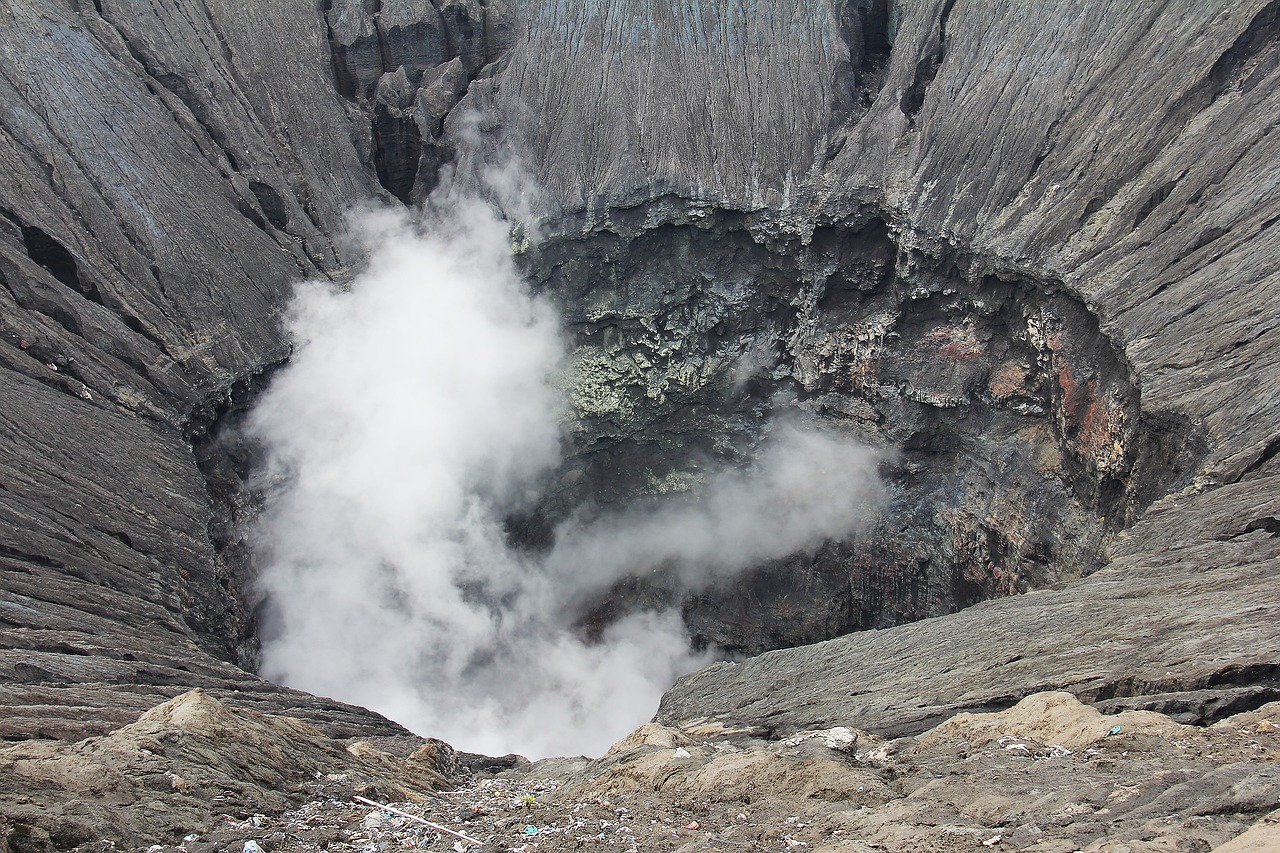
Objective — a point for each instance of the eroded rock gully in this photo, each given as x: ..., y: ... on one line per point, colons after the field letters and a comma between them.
x: 406, y: 66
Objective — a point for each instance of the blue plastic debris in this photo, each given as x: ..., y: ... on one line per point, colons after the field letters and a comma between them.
x: 1115, y: 730
x: 531, y: 830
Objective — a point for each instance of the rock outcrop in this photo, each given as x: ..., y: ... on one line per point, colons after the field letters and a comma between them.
x: 168, y: 773
x: 1048, y: 774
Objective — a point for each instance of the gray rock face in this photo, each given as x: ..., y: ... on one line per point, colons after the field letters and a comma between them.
x: 157, y: 204
x: 1182, y: 620
x: 769, y: 175
x: 1050, y: 145
x: 618, y: 102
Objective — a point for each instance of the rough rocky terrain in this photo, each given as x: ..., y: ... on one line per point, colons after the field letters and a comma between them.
x: 1049, y: 774
x: 1035, y: 245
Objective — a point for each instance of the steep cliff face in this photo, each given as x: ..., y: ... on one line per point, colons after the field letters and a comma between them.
x: 1033, y: 247
x: 158, y: 201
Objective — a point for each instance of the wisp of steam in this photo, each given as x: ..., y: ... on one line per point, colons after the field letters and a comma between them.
x: 418, y: 411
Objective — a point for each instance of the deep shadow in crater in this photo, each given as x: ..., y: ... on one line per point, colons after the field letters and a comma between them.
x: 1020, y: 443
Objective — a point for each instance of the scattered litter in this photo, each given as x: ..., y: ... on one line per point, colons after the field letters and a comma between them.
x: 252, y: 846
x: 531, y: 830
x: 192, y: 837
x: 993, y: 841
x: 1114, y: 730
x: 681, y: 752
x: 413, y: 817
x: 693, y: 824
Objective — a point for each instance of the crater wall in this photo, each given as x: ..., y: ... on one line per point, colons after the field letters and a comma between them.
x: 1099, y: 175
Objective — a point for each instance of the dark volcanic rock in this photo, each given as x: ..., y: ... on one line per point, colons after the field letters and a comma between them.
x: 1186, y: 611
x: 157, y: 203
x: 1126, y: 155
x: 1019, y: 436
x: 170, y: 169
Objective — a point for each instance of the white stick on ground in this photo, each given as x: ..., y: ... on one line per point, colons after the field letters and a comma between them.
x: 419, y: 820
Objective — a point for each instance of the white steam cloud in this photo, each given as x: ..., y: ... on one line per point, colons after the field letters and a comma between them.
x: 419, y: 410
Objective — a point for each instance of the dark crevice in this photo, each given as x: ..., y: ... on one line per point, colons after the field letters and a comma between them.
x: 1252, y: 55
x: 42, y: 560
x: 30, y: 299
x: 1270, y: 525
x: 271, y: 202
x: 1050, y: 140
x: 1269, y: 452
x: 344, y: 80
x: 27, y: 673
x: 397, y: 149
x: 251, y: 213
x: 865, y: 28
x: 1254, y: 683
x: 61, y: 264
x: 1210, y: 235
x: 1193, y: 706
x: 178, y: 88
x: 384, y: 47
x: 226, y: 458
x: 927, y: 68
x: 1153, y: 201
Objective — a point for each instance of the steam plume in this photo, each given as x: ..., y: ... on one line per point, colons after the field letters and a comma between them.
x: 418, y: 411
